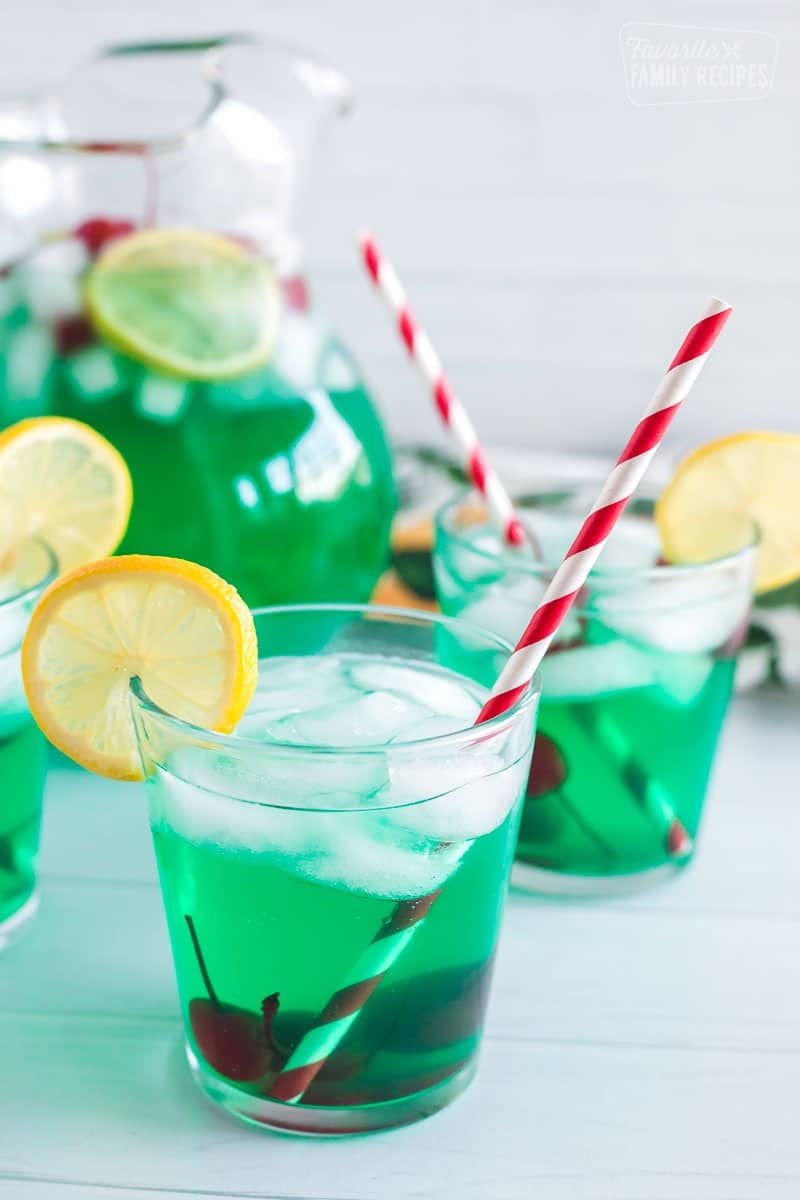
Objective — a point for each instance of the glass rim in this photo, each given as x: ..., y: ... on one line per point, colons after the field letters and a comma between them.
x: 510, y: 559
x: 457, y: 737
x: 48, y: 576
x: 337, y: 85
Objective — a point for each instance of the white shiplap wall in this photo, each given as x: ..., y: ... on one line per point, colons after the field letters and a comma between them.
x: 557, y: 239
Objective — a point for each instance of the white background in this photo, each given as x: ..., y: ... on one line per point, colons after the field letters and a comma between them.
x: 556, y: 239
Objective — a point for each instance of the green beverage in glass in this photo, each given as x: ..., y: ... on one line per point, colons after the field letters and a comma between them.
x: 22, y: 752
x: 354, y: 789
x: 153, y: 286
x: 634, y: 689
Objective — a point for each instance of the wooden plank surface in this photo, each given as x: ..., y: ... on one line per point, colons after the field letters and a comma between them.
x: 645, y: 1048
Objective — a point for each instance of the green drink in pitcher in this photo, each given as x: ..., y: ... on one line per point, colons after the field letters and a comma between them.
x: 277, y: 477
x: 153, y: 287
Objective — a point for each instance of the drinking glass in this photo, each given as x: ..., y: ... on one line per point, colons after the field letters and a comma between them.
x: 634, y: 688
x: 22, y: 746
x: 334, y: 872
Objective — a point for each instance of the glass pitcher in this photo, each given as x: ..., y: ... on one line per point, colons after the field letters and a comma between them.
x: 152, y: 285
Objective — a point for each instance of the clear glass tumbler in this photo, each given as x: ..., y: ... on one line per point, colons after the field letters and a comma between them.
x: 23, y: 754
x: 634, y: 688
x: 334, y: 872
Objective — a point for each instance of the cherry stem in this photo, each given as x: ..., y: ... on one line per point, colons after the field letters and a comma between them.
x: 201, y: 962
x: 269, y: 1011
x: 7, y: 855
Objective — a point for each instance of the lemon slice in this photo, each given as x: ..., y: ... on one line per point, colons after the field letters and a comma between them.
x: 188, y: 303
x: 181, y: 629
x: 65, y: 484
x: 724, y: 489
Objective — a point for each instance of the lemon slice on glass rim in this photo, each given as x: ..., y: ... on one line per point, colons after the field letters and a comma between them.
x: 726, y: 488
x: 183, y: 631
x: 63, y: 485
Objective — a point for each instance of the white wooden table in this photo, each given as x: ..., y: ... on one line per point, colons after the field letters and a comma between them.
x: 638, y: 1049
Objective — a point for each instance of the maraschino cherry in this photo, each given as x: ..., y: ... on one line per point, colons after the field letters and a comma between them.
x: 548, y: 767
x: 97, y: 232
x: 236, y: 1043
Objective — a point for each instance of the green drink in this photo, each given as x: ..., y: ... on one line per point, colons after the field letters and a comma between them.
x: 634, y: 690
x: 22, y: 766
x: 278, y: 479
x: 354, y: 786
x: 22, y: 770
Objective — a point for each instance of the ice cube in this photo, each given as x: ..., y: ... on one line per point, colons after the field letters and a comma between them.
x: 95, y: 374
x: 553, y: 530
x: 596, y: 671
x: 298, y: 350
x: 682, y: 677
x: 207, y: 815
x: 162, y: 399
x: 593, y: 671
x: 270, y: 705
x: 280, y: 711
x: 346, y: 849
x: 306, y: 780
x: 677, y: 615
x: 368, y: 854
x: 285, y: 687
x: 29, y: 358
x: 432, y: 689
x: 298, y: 671
x: 433, y: 727
x: 453, y: 799
x: 324, y: 815
x: 634, y: 542
x: 506, y: 608
x: 50, y: 280
x: 371, y: 720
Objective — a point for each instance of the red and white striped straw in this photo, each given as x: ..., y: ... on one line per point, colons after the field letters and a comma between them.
x: 449, y: 407
x: 320, y: 1041
x: 615, y: 494
x: 476, y: 462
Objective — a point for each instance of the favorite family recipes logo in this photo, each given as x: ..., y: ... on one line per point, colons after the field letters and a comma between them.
x: 682, y: 64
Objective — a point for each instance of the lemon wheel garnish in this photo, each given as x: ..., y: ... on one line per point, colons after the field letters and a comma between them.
x: 192, y: 304
x: 63, y: 483
x: 725, y: 489
x: 182, y: 630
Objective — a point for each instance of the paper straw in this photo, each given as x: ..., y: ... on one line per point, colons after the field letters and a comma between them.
x: 345, y: 1005
x: 317, y: 1045
x: 477, y: 464
x: 646, y: 791
x: 449, y: 407
x: 608, y: 508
